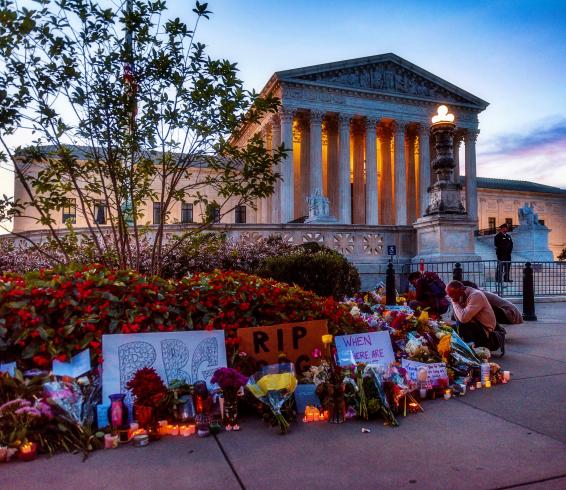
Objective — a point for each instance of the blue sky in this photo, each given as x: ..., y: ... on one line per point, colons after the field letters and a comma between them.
x: 511, y: 53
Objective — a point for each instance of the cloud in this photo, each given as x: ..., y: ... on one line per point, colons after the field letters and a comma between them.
x: 538, y: 154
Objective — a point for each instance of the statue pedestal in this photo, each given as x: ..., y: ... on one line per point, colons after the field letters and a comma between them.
x: 531, y: 243
x: 445, y: 238
x: 321, y: 219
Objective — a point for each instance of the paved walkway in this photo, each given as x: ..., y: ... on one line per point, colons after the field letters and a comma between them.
x: 509, y: 436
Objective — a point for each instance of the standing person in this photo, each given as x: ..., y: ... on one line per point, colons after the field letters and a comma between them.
x: 430, y: 292
x: 475, y: 317
x: 503, y: 248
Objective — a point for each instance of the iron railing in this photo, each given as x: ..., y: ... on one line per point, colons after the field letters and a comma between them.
x: 549, y: 278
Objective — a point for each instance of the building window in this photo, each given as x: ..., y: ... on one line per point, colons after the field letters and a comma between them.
x: 541, y: 222
x: 157, y: 213
x: 213, y: 213
x: 186, y: 212
x: 491, y: 223
x: 240, y: 214
x: 70, y: 211
x: 100, y: 212
x: 509, y: 222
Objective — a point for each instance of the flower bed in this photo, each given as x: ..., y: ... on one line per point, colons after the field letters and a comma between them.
x: 50, y: 315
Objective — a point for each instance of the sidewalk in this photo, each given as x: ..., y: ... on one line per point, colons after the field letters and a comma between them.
x: 504, y: 437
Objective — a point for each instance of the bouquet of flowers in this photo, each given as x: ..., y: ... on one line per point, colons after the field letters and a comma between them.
x: 230, y: 381
x: 376, y: 374
x: 147, y: 388
x: 274, y: 385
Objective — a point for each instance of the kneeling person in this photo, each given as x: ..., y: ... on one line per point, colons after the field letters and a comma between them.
x: 475, y: 315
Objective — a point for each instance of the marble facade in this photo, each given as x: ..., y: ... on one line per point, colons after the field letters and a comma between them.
x: 359, y: 131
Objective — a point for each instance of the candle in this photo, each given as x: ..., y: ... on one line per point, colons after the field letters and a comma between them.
x: 141, y: 440
x: 185, y: 430
x: 506, y: 375
x: 422, y: 393
x: 134, y: 426
x: 472, y: 387
x: 478, y: 385
x: 3, y: 453
x: 162, y: 423
x: 488, y: 384
x: 447, y: 394
x: 110, y: 441
x: 462, y: 389
x: 173, y: 430
x: 28, y: 451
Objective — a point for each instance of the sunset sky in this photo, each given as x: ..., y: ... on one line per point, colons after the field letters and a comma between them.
x: 509, y: 53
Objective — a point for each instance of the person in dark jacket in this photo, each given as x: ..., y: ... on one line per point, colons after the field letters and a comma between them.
x: 503, y: 248
x: 429, y: 293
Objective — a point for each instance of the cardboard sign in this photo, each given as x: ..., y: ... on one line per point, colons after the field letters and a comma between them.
x: 437, y: 374
x: 305, y: 394
x: 295, y: 340
x: 185, y: 356
x: 371, y: 347
x: 79, y: 364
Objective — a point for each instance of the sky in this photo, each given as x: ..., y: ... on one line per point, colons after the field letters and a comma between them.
x: 510, y: 53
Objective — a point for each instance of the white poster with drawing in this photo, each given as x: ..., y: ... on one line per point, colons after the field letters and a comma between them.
x: 187, y: 356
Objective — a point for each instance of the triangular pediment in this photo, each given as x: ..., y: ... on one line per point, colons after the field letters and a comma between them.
x: 385, y: 74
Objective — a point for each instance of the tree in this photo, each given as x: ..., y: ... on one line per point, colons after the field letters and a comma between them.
x: 151, y: 113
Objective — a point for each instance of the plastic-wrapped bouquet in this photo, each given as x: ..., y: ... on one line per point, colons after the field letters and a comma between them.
x: 376, y: 373
x: 274, y: 385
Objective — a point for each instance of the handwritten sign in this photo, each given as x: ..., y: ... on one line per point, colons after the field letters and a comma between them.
x: 183, y: 356
x: 371, y: 347
x: 79, y: 364
x: 437, y: 374
x: 295, y: 340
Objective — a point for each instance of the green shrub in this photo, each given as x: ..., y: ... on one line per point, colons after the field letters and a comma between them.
x: 315, y: 268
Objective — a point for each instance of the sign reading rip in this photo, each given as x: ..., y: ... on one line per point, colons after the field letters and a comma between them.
x: 295, y: 340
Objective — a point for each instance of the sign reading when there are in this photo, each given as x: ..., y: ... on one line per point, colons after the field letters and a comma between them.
x: 295, y: 340
x: 371, y: 347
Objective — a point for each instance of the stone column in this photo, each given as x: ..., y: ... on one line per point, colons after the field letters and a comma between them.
x: 315, y: 153
x: 411, y: 177
x: 332, y: 166
x: 276, y: 196
x: 471, y: 181
x: 264, y: 205
x: 400, y: 174
x: 305, y: 159
x: 344, y: 190
x: 359, y: 201
x: 385, y: 193
x: 372, y: 203
x: 458, y: 136
x: 424, y: 166
x: 287, y: 170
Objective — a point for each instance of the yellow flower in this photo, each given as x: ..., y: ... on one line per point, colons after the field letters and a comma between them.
x: 327, y: 339
x: 444, y: 346
x: 423, y: 318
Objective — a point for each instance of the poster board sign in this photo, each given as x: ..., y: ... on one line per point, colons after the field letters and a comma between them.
x: 370, y: 347
x: 437, y: 374
x: 78, y: 365
x: 187, y: 356
x: 295, y: 340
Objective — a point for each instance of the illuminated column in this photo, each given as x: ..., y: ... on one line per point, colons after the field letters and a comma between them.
x: 410, y: 143
x: 359, y: 188
x: 471, y: 181
x: 287, y: 170
x: 305, y: 167
x: 385, y: 193
x: 276, y: 196
x: 264, y: 208
x: 424, y: 166
x: 332, y: 166
x: 456, y: 151
x: 400, y: 174
x: 315, y: 183
x: 372, y: 204
x: 344, y: 190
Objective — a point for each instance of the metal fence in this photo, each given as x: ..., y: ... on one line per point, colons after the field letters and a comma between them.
x: 549, y: 278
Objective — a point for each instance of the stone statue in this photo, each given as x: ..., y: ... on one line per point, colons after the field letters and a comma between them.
x: 319, y: 206
x: 527, y: 215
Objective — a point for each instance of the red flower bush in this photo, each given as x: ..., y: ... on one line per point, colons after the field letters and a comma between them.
x: 52, y: 314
